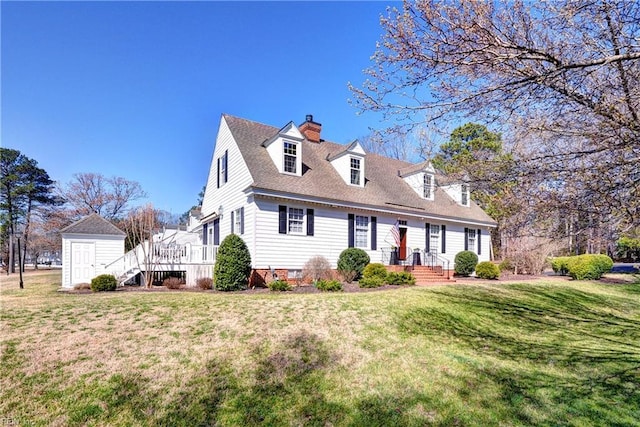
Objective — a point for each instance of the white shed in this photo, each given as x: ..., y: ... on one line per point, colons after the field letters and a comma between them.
x: 88, y: 246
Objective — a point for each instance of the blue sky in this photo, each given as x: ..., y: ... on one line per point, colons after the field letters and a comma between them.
x: 136, y: 89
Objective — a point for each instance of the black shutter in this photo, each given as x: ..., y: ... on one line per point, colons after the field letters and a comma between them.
x: 310, y: 222
x: 218, y: 173
x: 205, y: 230
x: 232, y: 222
x: 443, y: 238
x: 282, y: 219
x: 466, y: 239
x: 374, y: 233
x: 351, y: 242
x: 216, y: 231
x: 226, y: 165
x: 479, y: 242
x: 427, y: 238
x: 242, y: 220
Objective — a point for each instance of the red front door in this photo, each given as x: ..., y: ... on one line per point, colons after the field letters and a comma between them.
x: 402, y: 253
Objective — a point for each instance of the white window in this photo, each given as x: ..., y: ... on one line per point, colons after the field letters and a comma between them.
x: 427, y: 186
x: 223, y: 169
x: 355, y: 171
x: 296, y: 219
x: 465, y: 195
x: 237, y: 219
x: 362, y: 232
x: 434, y: 238
x: 471, y: 239
x: 290, y: 157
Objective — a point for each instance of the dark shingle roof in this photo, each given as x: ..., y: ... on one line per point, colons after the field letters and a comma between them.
x: 383, y: 189
x: 93, y: 224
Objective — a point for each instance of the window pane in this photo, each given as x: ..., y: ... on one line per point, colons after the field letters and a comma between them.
x: 427, y: 186
x: 290, y: 155
x: 355, y: 171
x: 434, y: 238
x: 296, y: 216
x: 362, y: 229
x: 471, y: 242
x: 465, y: 194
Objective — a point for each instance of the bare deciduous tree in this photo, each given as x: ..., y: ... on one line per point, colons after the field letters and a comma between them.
x: 562, y: 76
x: 94, y: 193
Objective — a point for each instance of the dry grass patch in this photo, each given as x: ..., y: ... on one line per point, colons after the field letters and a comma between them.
x: 483, y: 354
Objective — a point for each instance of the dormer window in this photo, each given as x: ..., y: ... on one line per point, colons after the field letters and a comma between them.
x: 290, y: 157
x: 464, y: 199
x: 427, y: 186
x: 355, y: 171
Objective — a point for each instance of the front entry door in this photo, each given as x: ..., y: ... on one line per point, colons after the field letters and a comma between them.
x: 402, y: 255
x: 83, y: 259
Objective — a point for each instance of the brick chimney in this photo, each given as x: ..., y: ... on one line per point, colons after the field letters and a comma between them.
x: 310, y: 129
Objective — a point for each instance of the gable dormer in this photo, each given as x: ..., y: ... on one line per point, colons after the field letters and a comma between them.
x: 460, y: 192
x: 350, y: 164
x: 285, y: 150
x: 421, y: 178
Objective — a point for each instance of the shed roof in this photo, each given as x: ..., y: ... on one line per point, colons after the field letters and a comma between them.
x: 93, y: 224
x: 383, y: 188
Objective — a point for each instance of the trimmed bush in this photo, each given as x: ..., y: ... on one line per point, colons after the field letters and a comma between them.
x: 400, y: 278
x: 560, y: 265
x: 172, y: 283
x: 329, y: 285
x: 588, y: 267
x: 104, y: 282
x: 375, y: 270
x: 279, y: 286
x: 487, y: 270
x: 371, y: 282
x: 233, y: 265
x: 465, y: 263
x: 205, y: 283
x: 351, y: 262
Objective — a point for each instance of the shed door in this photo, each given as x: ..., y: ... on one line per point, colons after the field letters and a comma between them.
x: 83, y: 259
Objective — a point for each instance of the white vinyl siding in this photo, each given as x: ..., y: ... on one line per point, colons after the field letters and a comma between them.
x: 330, y: 237
x: 107, y: 249
x: 230, y: 196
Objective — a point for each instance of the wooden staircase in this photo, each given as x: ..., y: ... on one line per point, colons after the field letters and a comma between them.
x: 428, y: 276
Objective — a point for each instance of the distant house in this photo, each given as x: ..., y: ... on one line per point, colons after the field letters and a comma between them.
x: 291, y: 195
x: 88, y: 247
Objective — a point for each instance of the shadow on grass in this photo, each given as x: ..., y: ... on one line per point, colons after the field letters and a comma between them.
x: 582, y: 350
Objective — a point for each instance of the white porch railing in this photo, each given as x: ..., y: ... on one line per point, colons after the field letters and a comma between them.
x: 132, y: 262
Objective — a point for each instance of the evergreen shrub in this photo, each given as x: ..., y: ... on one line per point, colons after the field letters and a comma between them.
x: 233, y: 265
x: 371, y: 282
x: 375, y: 269
x: 351, y: 263
x: 465, y: 263
x: 487, y: 270
x: 279, y: 286
x: 329, y: 285
x: 400, y: 278
x: 104, y: 282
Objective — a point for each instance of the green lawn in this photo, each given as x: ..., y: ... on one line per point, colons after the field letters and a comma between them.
x: 553, y: 352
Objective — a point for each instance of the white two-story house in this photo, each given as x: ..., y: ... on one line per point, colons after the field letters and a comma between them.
x: 290, y: 195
